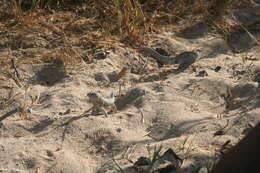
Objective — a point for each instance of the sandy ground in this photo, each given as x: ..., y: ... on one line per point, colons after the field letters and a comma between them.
x: 181, y: 111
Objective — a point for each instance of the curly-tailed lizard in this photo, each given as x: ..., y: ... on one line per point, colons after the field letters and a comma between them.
x: 184, y: 58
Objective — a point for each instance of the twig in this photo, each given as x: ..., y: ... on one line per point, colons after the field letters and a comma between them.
x: 124, y: 154
x: 156, y: 156
x: 87, y: 110
x: 119, y: 89
x: 127, y: 154
x: 16, y: 80
x: 13, y: 63
x: 10, y: 99
x: 24, y: 108
x: 130, y: 152
x: 184, y: 143
x: 36, y: 99
x: 142, y: 114
x: 116, y: 164
x: 15, y: 68
x: 148, y: 133
x: 122, y: 73
x: 8, y: 114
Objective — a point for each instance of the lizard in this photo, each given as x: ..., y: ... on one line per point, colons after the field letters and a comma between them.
x: 100, y: 103
x: 183, y: 59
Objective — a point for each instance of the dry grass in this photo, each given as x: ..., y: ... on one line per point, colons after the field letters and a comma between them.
x: 125, y: 21
x: 129, y: 19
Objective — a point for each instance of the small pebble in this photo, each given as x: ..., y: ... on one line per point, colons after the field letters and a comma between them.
x: 202, y: 73
x: 217, y: 68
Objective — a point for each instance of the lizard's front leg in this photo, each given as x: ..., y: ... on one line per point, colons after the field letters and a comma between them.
x: 95, y: 110
x: 104, y: 111
x: 114, y: 108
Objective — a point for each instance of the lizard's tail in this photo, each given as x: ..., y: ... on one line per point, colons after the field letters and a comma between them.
x: 154, y: 54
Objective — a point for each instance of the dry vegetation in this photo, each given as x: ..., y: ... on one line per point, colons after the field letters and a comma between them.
x: 68, y: 33
x: 107, y: 21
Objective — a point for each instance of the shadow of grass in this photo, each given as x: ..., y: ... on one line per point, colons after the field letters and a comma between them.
x: 50, y: 74
x: 130, y: 98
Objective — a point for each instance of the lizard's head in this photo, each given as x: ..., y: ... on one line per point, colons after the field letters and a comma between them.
x: 113, y: 95
x: 92, y: 95
x: 146, y: 50
x: 198, y: 51
x: 141, y: 49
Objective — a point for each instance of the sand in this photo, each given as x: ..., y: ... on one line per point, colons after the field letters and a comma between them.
x: 182, y: 111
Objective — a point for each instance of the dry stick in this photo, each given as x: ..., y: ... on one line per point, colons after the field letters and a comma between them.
x: 148, y: 133
x: 15, y: 68
x: 128, y: 152
x: 122, y: 73
x: 18, y: 82
x: 124, y: 154
x: 13, y: 63
x: 87, y: 111
x: 119, y: 89
x: 189, y: 148
x: 142, y: 114
x: 119, y: 76
x: 131, y: 152
x: 8, y: 114
x: 24, y: 108
x: 10, y: 99
x: 36, y: 100
x: 184, y: 143
x: 116, y: 164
